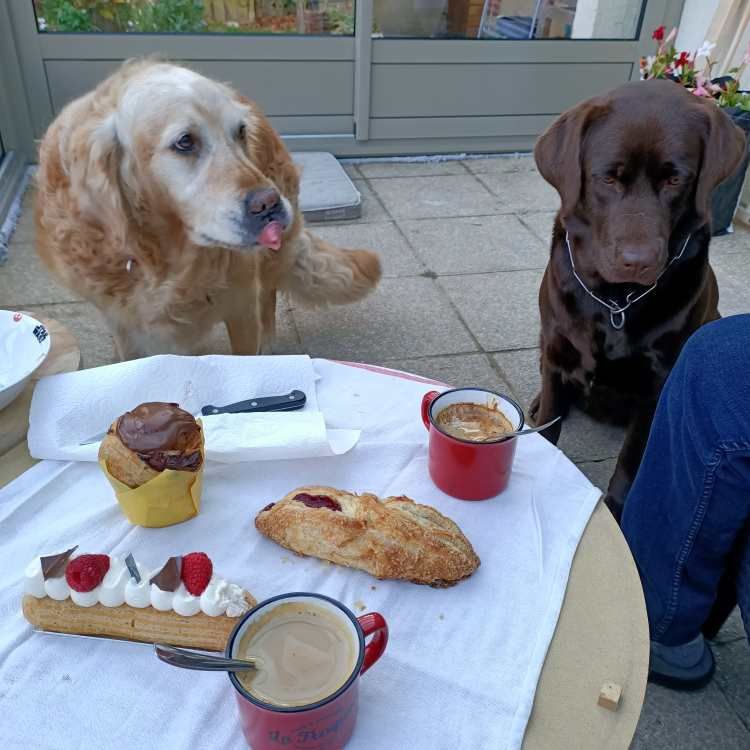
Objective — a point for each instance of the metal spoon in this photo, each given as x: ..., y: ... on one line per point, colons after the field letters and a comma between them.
x: 526, y: 430
x: 529, y: 430
x: 181, y: 657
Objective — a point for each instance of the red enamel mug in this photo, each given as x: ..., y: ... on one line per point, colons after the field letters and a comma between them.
x: 327, y: 724
x: 461, y: 468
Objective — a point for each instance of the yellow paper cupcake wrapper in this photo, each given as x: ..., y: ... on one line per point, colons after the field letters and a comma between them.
x: 170, y: 497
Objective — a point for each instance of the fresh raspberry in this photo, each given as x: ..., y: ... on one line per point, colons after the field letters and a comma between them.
x: 86, y: 572
x: 197, y: 569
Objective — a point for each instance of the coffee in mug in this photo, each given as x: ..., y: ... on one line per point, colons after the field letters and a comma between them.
x: 477, y: 423
x: 304, y: 654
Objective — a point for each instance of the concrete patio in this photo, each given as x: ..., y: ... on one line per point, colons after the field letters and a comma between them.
x: 464, y: 245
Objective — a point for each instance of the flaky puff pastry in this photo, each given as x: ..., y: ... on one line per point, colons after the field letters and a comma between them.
x: 392, y: 538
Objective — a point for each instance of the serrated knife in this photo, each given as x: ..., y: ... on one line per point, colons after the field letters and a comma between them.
x: 287, y: 402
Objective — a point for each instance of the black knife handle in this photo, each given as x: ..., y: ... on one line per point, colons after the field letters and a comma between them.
x: 287, y: 402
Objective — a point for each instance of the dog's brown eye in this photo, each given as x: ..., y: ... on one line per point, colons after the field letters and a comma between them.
x: 184, y: 144
x: 609, y: 179
x: 673, y: 181
x: 241, y: 132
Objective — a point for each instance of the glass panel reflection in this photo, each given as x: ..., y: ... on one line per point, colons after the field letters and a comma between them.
x: 196, y: 16
x: 508, y: 19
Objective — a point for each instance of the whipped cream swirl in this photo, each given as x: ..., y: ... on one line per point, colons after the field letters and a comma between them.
x: 119, y: 587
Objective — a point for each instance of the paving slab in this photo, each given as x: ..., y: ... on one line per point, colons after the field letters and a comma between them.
x: 404, y: 317
x: 702, y: 720
x: 585, y: 439
x: 456, y: 370
x: 520, y: 368
x: 736, y: 242
x: 411, y: 169
x: 500, y: 309
x: 476, y: 244
x: 733, y: 676
x: 732, y: 630
x: 598, y: 472
x: 507, y: 164
x: 434, y: 197
x: 25, y: 281
x: 25, y: 230
x: 397, y: 257
x: 733, y: 274
x: 582, y: 439
x: 521, y: 192
x: 541, y: 225
x: 372, y: 208
x: 352, y: 171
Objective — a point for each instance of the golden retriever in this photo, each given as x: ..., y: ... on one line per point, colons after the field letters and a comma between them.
x: 168, y: 201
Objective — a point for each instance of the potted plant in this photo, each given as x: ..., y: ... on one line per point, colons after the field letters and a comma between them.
x: 694, y: 72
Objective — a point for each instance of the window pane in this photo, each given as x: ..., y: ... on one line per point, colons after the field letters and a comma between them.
x: 193, y: 16
x: 508, y: 19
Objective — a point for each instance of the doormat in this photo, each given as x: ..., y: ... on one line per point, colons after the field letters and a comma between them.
x: 326, y: 192
x: 11, y: 220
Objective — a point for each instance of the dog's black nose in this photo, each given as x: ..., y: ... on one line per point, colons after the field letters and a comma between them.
x: 639, y: 260
x: 262, y: 201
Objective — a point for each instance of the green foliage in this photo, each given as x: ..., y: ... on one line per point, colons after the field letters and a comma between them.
x: 148, y: 16
x: 63, y: 15
x: 179, y: 16
x: 340, y: 22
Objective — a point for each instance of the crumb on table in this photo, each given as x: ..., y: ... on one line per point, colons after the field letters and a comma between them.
x: 609, y: 696
x: 360, y: 606
x: 441, y: 616
x: 373, y: 588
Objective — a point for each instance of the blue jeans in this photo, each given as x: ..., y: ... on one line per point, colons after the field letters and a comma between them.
x: 687, y: 516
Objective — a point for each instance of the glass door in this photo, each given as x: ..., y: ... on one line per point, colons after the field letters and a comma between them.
x: 355, y: 77
x: 493, y: 74
x: 295, y: 58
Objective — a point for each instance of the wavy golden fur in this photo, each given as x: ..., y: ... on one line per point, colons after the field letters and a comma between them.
x: 157, y: 239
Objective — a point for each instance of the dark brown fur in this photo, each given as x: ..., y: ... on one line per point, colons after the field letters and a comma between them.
x: 635, y: 169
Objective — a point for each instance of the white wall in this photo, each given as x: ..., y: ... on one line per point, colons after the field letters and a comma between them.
x: 696, y: 18
x: 605, y: 19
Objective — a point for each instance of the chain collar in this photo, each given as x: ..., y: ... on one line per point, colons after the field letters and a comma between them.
x: 617, y: 311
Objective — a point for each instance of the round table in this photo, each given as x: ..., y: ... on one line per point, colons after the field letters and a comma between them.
x: 601, y: 635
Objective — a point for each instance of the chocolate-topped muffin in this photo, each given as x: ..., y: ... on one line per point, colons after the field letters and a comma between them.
x: 149, y: 439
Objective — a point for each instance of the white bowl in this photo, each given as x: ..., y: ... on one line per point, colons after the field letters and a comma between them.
x: 24, y: 345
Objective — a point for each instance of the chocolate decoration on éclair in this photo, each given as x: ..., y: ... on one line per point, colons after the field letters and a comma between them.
x: 169, y: 577
x: 162, y: 435
x: 53, y: 566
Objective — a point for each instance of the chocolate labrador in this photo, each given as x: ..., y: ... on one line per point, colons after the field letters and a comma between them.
x: 628, y: 278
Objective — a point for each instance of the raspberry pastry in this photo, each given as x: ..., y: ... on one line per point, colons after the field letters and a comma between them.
x: 391, y: 538
x: 182, y: 602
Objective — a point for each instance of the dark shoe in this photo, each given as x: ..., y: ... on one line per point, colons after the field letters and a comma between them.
x: 686, y: 667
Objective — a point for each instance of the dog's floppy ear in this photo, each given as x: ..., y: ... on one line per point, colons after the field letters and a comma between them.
x: 724, y: 146
x: 95, y: 176
x: 558, y: 151
x: 269, y: 153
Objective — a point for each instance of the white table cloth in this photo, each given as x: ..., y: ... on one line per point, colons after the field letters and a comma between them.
x: 462, y: 664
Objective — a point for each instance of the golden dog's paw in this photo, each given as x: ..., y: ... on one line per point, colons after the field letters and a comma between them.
x: 366, y: 267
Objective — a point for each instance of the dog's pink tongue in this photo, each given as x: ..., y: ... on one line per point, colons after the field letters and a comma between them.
x: 271, y: 235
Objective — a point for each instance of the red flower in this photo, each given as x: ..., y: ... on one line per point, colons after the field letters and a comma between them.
x: 658, y: 35
x: 683, y: 59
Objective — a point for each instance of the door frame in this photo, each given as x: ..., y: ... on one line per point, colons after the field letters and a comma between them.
x: 15, y: 122
x: 357, y: 133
